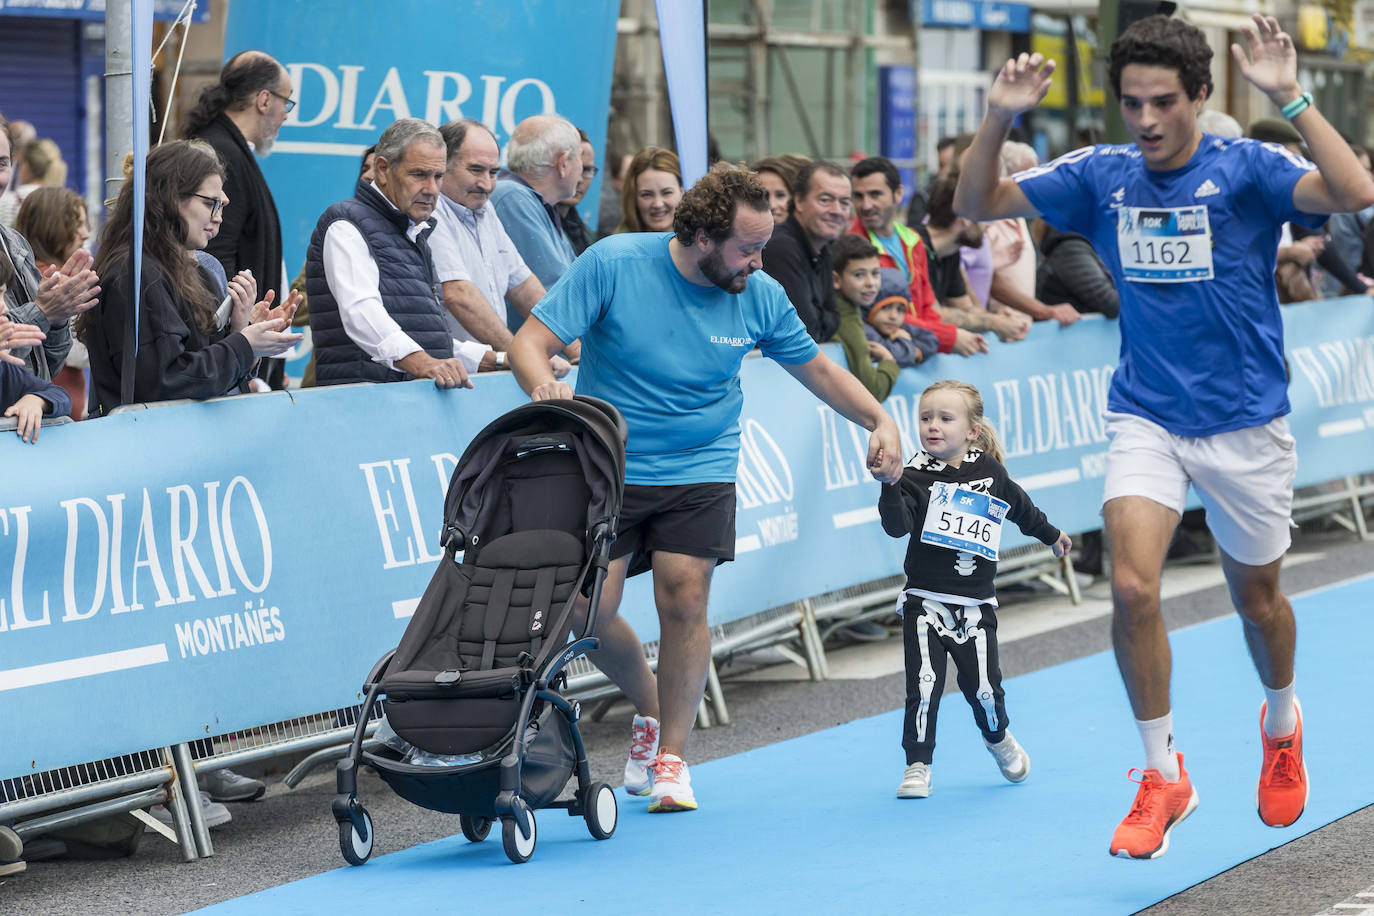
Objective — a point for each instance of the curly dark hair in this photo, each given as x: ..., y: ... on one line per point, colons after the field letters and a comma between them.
x: 243, y: 77
x: 709, y: 205
x: 1163, y: 42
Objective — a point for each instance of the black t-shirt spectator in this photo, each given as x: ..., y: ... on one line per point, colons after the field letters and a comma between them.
x: 946, y: 274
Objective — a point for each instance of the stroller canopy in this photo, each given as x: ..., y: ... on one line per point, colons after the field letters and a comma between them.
x: 590, y: 427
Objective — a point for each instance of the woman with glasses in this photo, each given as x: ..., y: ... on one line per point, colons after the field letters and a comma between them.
x: 185, y: 349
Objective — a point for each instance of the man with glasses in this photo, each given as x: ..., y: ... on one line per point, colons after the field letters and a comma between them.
x: 797, y: 255
x: 239, y: 116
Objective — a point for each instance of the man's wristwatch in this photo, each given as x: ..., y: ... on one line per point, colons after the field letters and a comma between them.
x: 500, y: 358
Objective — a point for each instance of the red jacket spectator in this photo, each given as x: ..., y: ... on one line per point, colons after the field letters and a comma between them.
x: 922, y: 313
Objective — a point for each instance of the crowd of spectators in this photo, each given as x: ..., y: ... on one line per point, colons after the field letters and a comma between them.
x: 447, y: 242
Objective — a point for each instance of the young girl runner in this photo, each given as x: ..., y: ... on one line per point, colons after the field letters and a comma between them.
x: 952, y: 499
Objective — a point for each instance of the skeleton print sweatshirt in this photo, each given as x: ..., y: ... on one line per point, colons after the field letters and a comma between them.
x: 944, y: 573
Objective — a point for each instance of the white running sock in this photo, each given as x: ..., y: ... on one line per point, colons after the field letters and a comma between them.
x: 1280, y: 713
x: 1158, y: 737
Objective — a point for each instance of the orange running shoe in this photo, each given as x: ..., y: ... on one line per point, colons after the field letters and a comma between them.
x: 1158, y: 807
x: 1281, y: 794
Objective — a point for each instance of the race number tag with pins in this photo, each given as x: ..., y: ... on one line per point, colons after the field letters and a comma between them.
x: 961, y: 519
x: 1164, y: 245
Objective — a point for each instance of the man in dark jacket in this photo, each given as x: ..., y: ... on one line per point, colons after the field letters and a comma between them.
x: 239, y: 116
x: 797, y: 257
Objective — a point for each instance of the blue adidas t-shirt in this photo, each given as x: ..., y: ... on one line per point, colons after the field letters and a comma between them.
x: 667, y: 352
x: 1198, y: 356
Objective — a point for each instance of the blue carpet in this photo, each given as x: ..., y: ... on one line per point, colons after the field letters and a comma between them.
x: 811, y: 824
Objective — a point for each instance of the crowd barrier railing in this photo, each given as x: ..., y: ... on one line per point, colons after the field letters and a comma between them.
x: 174, y: 575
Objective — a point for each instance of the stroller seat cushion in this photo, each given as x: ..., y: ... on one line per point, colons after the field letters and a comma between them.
x: 522, y: 549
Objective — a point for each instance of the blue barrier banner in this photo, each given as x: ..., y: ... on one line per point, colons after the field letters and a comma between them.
x: 200, y: 569
x: 356, y: 68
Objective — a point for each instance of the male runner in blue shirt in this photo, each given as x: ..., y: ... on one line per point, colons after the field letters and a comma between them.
x: 1188, y: 224
x: 665, y: 320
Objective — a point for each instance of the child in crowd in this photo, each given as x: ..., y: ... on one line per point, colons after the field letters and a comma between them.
x: 952, y: 499
x: 886, y: 327
x: 22, y: 394
x: 854, y: 261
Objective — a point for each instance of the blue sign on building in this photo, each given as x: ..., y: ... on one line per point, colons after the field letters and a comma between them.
x: 976, y: 14
x: 897, y: 119
x: 95, y: 9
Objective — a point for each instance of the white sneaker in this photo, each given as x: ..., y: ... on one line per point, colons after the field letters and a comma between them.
x: 216, y: 815
x: 672, y: 785
x: 915, y: 781
x: 643, y: 749
x: 227, y: 786
x: 1012, y: 759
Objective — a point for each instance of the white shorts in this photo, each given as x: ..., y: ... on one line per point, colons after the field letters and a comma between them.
x: 1244, y: 479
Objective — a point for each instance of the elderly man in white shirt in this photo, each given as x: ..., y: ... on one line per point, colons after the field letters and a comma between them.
x: 404, y: 332
x: 479, y: 266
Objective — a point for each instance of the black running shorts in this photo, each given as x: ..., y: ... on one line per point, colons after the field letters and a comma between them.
x: 696, y: 519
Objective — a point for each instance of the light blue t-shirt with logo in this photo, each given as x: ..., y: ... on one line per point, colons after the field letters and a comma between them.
x: 1192, y: 251
x: 893, y: 246
x: 667, y: 352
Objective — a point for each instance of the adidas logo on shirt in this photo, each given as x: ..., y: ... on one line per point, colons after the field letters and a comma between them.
x: 1207, y: 189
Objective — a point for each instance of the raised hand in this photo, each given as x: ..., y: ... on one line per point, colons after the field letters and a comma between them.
x: 1271, y: 63
x: 1021, y: 84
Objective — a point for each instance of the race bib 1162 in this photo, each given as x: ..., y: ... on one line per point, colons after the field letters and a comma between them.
x: 1164, y: 245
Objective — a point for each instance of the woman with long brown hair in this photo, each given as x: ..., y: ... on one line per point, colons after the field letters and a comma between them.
x: 652, y: 189
x: 183, y: 351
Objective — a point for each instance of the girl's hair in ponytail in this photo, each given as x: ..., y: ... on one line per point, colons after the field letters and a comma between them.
x: 987, y: 439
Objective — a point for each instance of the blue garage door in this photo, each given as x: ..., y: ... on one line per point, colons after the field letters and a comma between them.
x: 40, y: 82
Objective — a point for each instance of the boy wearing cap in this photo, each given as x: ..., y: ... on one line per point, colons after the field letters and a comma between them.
x: 884, y: 323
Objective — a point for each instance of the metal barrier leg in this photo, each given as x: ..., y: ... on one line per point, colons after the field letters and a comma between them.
x: 1357, y: 508
x: 703, y: 714
x: 190, y: 792
x: 716, y: 694
x: 1070, y: 579
x: 812, y: 643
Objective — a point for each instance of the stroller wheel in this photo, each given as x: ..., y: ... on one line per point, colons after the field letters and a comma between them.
x: 600, y: 810
x: 518, y: 847
x: 355, y: 849
x: 475, y: 827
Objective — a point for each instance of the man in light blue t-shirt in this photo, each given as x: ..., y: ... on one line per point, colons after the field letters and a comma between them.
x: 1188, y: 224
x: 665, y: 321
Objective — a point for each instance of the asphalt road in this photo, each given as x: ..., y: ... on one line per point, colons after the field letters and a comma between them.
x: 289, y: 834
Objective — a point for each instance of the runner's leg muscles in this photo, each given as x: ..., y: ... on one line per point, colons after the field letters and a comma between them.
x: 1270, y: 630
x: 621, y: 656
x: 681, y: 586
x: 1138, y: 530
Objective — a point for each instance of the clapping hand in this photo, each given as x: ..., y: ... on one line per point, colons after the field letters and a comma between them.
x: 17, y: 337
x: 65, y: 293
x: 263, y: 311
x: 1021, y: 84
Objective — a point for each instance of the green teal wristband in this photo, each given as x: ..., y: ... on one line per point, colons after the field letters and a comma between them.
x: 1297, y: 106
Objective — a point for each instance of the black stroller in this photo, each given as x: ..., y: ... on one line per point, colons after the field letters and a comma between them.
x: 533, y: 505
